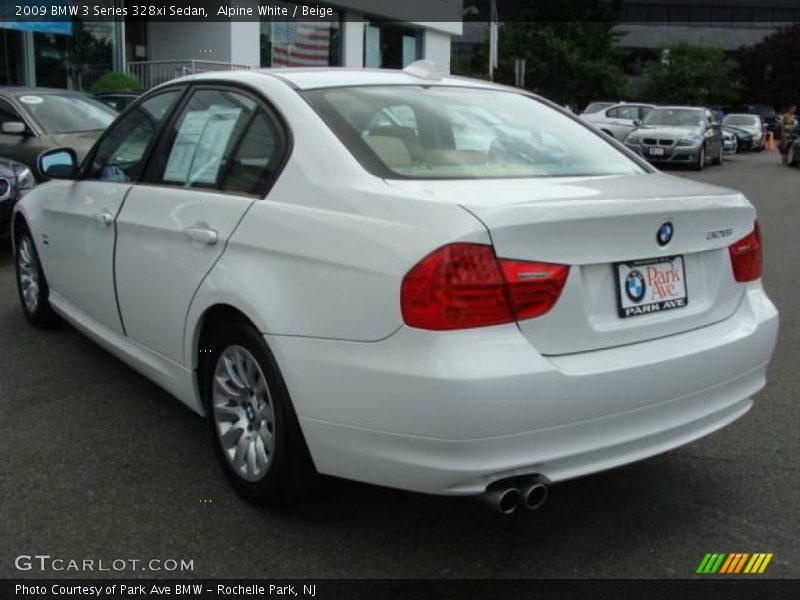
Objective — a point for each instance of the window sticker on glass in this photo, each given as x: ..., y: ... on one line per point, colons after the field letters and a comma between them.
x: 200, y: 146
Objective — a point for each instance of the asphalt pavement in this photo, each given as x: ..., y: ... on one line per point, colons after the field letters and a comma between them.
x: 97, y: 463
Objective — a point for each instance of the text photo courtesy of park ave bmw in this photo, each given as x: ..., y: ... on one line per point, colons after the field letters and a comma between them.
x: 303, y: 299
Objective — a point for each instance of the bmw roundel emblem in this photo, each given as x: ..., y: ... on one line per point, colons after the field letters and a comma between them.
x: 664, y: 234
x: 635, y: 286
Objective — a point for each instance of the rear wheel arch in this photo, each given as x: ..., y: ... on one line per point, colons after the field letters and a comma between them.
x: 18, y: 225
x: 212, y: 320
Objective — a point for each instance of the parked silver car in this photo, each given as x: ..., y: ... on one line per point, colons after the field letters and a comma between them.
x: 620, y: 119
x: 679, y: 134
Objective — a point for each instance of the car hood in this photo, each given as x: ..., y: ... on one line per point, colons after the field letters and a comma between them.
x: 740, y: 130
x: 671, y: 131
x: 80, y: 142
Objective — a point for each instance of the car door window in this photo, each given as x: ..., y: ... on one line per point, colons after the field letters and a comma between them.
x: 122, y: 151
x: 223, y: 140
x: 625, y: 112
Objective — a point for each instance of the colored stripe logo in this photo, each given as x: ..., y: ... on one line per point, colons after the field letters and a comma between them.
x: 733, y: 563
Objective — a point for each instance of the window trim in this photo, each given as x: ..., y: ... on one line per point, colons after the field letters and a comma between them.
x: 83, y: 171
x: 154, y: 169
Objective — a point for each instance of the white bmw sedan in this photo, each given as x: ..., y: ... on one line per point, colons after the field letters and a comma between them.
x: 423, y: 282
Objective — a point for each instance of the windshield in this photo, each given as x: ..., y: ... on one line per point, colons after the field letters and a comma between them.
x: 676, y: 117
x: 747, y: 120
x: 66, y: 113
x: 463, y: 133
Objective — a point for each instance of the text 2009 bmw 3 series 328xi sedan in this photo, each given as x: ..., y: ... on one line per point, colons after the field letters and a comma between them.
x: 412, y: 280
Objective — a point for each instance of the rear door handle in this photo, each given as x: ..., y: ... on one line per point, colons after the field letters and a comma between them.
x: 104, y: 218
x: 202, y: 234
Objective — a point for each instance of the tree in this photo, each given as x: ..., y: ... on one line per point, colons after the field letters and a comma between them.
x: 569, y: 62
x: 771, y: 69
x: 691, y: 74
x: 572, y: 55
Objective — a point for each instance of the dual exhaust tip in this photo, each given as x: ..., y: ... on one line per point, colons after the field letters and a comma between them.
x: 507, y: 495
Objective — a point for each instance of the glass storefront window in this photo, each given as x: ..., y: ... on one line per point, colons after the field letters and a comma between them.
x: 390, y: 46
x: 11, y: 65
x: 301, y: 43
x: 75, y: 60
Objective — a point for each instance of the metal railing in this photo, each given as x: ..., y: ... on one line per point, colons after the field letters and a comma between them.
x: 154, y: 72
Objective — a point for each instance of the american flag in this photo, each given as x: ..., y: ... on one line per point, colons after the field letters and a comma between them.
x: 301, y: 44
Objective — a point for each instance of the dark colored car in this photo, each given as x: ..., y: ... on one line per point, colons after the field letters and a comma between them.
x: 118, y: 100
x: 15, y: 180
x: 679, y: 134
x: 33, y: 120
x: 748, y: 129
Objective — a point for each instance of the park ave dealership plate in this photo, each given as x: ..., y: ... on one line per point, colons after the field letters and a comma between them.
x: 651, y: 286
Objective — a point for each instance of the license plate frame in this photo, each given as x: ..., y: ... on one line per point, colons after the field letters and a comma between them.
x: 663, y: 291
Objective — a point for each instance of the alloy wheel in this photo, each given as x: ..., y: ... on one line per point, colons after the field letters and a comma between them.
x: 28, y: 274
x: 244, y: 415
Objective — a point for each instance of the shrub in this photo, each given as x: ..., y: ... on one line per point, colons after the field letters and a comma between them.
x: 114, y: 81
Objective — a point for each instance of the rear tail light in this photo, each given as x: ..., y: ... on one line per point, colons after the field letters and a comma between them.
x: 746, y: 256
x: 465, y: 285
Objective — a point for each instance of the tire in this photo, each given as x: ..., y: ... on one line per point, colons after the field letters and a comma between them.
x: 272, y: 465
x: 32, y: 288
x: 700, y: 163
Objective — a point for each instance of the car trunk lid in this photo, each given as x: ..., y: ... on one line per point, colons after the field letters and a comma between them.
x: 595, y: 223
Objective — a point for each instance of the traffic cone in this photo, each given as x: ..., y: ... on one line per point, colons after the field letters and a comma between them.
x: 769, y: 144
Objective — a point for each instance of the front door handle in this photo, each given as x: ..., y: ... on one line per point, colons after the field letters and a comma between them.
x: 202, y: 234
x: 104, y: 218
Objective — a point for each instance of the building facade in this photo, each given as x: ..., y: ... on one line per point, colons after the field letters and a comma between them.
x: 356, y: 33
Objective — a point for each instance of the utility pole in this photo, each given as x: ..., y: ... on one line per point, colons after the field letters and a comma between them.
x: 493, y: 39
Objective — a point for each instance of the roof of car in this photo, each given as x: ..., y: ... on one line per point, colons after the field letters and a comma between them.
x: 307, y: 78
x: 677, y: 107
x: 34, y: 90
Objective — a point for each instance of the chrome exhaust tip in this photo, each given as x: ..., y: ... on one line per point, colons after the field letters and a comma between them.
x: 503, y: 498
x: 534, y: 492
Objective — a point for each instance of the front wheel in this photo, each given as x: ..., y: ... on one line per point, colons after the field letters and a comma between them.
x: 720, y: 157
x: 256, y: 433
x: 32, y: 285
x: 700, y: 162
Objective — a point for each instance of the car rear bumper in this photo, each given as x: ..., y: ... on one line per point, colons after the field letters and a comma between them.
x: 448, y: 413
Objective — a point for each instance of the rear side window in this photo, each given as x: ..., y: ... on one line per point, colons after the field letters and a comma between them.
x: 223, y: 140
x: 443, y: 132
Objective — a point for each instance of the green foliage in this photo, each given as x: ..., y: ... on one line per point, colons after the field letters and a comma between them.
x: 571, y: 62
x: 571, y: 54
x: 691, y: 74
x: 771, y: 69
x: 114, y: 81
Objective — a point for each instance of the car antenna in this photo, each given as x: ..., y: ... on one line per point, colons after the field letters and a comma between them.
x: 423, y: 69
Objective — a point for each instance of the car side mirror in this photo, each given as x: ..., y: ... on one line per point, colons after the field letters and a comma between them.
x: 637, y: 122
x: 58, y: 163
x: 14, y: 128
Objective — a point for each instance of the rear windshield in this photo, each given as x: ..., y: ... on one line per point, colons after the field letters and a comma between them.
x: 439, y: 132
